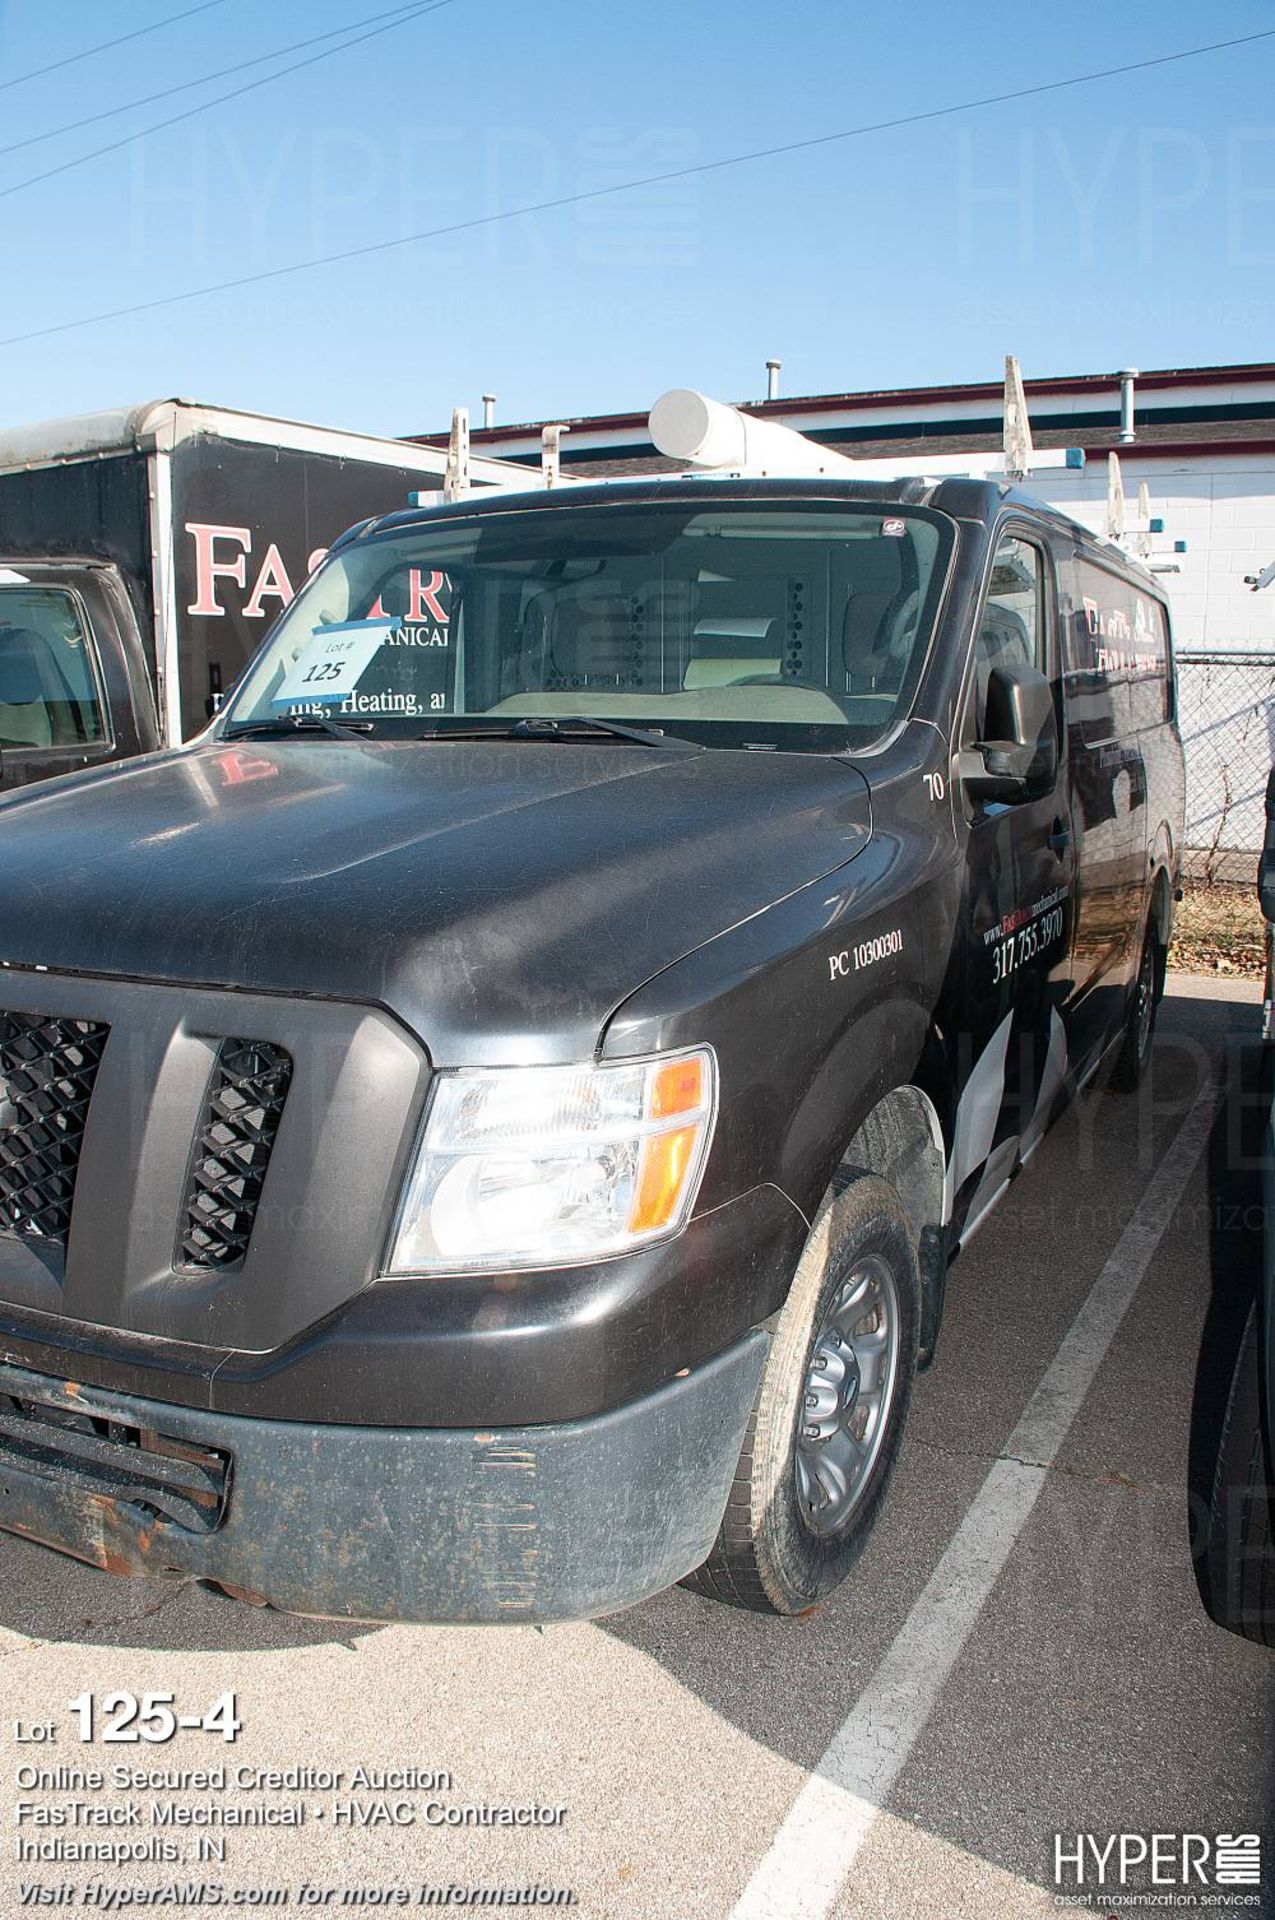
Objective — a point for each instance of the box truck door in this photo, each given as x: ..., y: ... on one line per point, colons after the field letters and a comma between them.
x: 73, y: 683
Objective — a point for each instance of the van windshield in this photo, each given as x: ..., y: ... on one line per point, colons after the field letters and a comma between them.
x: 746, y: 625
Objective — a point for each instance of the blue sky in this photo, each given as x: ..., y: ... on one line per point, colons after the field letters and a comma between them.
x: 1130, y: 221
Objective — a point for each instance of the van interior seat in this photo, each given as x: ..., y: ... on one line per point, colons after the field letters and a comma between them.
x: 25, y: 720
x: 877, y: 596
x: 724, y: 670
x: 592, y: 639
x: 724, y: 652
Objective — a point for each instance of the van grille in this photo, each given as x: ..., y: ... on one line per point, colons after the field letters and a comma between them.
x: 47, y: 1070
x: 232, y: 1154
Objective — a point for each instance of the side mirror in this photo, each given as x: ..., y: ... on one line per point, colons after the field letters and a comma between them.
x: 1019, y: 758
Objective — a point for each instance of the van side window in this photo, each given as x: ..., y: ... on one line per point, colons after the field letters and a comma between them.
x: 1117, y: 650
x: 1150, y: 687
x: 1013, y: 630
x: 48, y: 686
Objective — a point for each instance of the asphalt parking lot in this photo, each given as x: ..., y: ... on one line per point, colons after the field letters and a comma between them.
x: 1034, y: 1642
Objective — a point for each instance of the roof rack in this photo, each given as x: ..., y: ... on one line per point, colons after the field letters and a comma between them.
x: 707, y: 434
x: 456, y: 478
x: 1134, y: 533
x: 710, y: 437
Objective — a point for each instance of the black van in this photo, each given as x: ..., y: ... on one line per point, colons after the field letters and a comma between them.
x: 484, y: 1130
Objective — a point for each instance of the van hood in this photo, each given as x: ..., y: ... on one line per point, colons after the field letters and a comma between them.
x: 501, y: 897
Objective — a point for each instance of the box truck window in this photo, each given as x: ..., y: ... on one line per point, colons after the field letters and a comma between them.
x: 48, y: 685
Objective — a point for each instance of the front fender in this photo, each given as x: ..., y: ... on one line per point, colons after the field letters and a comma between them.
x: 807, y: 1040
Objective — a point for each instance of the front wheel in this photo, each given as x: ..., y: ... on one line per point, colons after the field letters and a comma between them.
x: 828, y: 1417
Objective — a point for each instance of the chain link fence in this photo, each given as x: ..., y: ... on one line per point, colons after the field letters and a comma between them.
x: 1226, y: 704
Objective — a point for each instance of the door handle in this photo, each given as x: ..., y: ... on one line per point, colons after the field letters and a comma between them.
x: 1060, y: 838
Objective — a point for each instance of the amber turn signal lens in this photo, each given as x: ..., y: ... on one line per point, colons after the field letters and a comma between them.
x: 678, y: 1088
x: 666, y: 1161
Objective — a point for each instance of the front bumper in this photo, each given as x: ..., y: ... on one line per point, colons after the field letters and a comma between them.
x: 531, y: 1523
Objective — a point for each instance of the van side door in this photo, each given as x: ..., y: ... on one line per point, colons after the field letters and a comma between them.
x: 1018, y: 894
x: 1108, y: 800
x: 74, y: 685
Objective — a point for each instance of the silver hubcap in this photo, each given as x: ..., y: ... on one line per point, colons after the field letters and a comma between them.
x: 848, y: 1393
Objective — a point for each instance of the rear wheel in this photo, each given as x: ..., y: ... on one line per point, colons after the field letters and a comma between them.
x: 829, y: 1413
x: 1135, y: 1050
x: 1239, y: 1582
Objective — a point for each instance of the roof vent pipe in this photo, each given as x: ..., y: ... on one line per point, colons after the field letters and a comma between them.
x: 1126, y: 377
x: 489, y: 409
x: 772, y: 379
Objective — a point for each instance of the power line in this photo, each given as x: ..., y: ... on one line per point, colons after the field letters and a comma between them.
x: 220, y: 99
x: 205, y: 79
x: 629, y: 186
x: 104, y: 46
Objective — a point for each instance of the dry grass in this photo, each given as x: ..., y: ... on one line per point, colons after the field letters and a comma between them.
x: 1219, y: 929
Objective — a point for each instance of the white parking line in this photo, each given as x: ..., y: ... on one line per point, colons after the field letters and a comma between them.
x: 815, y: 1848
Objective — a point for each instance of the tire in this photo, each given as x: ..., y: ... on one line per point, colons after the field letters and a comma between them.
x: 785, y: 1542
x: 1139, y: 1030
x: 1239, y: 1572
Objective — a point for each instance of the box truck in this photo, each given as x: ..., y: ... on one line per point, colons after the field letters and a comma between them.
x: 144, y: 553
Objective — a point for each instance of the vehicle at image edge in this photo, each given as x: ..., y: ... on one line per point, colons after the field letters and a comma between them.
x: 144, y: 553
x: 521, y: 1076
x: 1239, y: 1569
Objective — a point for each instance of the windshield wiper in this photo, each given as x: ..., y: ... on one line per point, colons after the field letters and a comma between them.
x: 570, y: 727
x: 285, y: 723
x: 577, y: 723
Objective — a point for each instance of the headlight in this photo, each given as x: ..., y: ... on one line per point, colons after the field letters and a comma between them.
x: 550, y: 1166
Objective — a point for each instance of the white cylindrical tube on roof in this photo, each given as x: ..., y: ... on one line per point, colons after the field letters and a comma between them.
x: 688, y: 426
